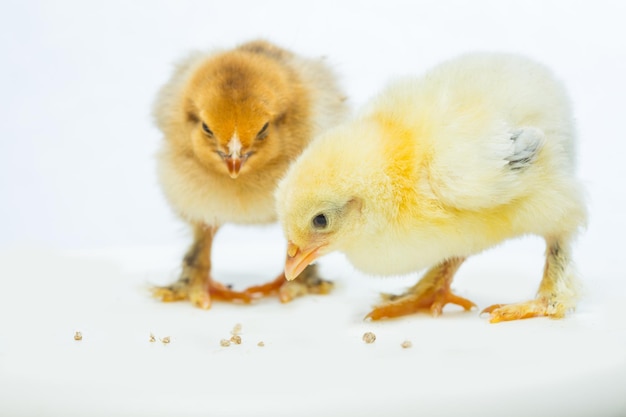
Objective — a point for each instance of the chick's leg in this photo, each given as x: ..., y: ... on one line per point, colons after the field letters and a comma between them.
x: 431, y: 293
x: 557, y: 292
x: 195, y: 283
x: 308, y: 282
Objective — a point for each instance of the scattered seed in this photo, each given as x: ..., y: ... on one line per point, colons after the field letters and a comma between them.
x: 78, y: 336
x: 406, y: 344
x: 369, y: 337
x: 261, y: 344
x: 152, y: 338
x: 236, y: 329
x: 236, y: 339
x: 225, y: 342
x: 165, y: 340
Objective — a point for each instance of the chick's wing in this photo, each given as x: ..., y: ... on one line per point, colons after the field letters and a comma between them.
x: 486, y: 168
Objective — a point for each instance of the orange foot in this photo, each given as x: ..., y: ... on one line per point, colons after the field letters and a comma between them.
x: 307, y: 283
x: 200, y: 293
x: 431, y: 300
x: 540, y: 307
x: 431, y: 293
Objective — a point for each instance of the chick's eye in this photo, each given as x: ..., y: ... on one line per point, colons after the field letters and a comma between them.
x: 263, y: 132
x: 206, y: 129
x: 320, y: 221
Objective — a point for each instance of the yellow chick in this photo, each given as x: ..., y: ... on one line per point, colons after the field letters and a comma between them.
x: 233, y: 122
x: 438, y: 168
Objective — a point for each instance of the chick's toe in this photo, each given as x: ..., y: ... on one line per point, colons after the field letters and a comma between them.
x: 524, y: 310
x: 431, y: 301
x: 309, y: 282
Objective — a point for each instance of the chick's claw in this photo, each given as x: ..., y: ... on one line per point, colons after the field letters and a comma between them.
x: 410, y: 303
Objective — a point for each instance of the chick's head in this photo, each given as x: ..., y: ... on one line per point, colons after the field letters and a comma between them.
x: 234, y: 105
x: 324, y: 203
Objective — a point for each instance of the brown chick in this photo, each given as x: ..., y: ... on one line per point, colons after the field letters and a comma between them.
x: 233, y: 122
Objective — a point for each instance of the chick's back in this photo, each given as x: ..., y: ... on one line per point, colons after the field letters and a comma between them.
x: 233, y: 121
x: 470, y: 119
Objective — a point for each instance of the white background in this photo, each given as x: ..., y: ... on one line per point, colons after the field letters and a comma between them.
x: 83, y: 226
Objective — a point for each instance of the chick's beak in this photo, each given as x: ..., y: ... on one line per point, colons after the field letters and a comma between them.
x: 298, y: 259
x: 234, y: 164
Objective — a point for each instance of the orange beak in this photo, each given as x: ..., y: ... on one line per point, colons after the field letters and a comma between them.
x: 298, y: 259
x: 234, y: 165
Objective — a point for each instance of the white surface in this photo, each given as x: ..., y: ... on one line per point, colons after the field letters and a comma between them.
x: 77, y: 175
x: 314, y: 361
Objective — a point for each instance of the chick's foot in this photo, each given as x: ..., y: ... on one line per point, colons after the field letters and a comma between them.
x: 309, y: 282
x: 199, y: 292
x: 557, y: 293
x: 430, y: 294
x: 541, y: 307
x: 409, y: 303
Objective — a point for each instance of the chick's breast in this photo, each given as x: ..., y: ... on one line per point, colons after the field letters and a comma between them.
x: 233, y: 121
